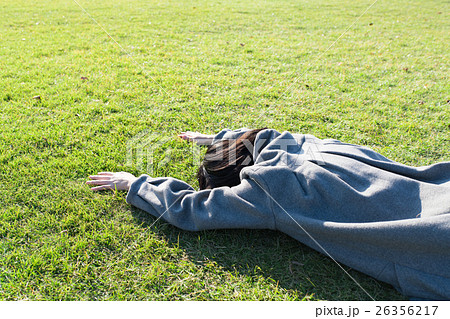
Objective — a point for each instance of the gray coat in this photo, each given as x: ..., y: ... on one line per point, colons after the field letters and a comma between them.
x: 385, y: 219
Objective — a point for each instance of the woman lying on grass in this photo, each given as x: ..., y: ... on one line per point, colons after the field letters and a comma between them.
x: 385, y: 219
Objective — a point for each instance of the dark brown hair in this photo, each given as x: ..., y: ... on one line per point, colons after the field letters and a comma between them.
x: 225, y: 159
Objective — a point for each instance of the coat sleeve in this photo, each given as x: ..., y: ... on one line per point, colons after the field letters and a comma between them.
x: 243, y: 206
x: 227, y: 134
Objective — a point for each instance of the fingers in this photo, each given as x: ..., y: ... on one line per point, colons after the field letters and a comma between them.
x: 105, y: 181
x: 102, y: 188
x: 100, y: 177
x: 102, y: 185
x: 99, y: 182
x: 184, y: 135
x: 189, y: 136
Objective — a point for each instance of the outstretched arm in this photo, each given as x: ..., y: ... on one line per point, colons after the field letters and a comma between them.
x: 242, y: 206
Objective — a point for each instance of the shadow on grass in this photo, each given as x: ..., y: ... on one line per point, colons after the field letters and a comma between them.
x: 282, y: 261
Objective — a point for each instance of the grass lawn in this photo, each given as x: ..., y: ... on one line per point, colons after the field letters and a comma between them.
x: 202, y: 66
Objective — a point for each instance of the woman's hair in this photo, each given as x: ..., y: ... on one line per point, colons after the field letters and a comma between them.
x: 225, y: 159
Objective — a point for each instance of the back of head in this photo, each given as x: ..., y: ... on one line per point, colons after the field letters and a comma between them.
x: 225, y: 159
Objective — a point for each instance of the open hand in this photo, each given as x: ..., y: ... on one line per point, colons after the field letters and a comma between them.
x: 120, y: 181
x: 196, y: 137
